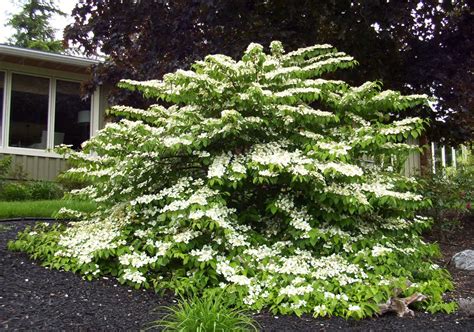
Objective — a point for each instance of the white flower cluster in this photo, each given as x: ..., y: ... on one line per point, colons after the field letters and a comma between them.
x: 199, y: 197
x: 275, y: 154
x: 379, y: 250
x: 342, y: 168
x: 136, y: 259
x: 303, y: 110
x: 261, y: 252
x: 336, y: 149
x: 170, y: 141
x: 219, y: 165
x: 384, y: 189
x: 350, y: 191
x: 292, y: 290
x: 299, y: 218
x: 134, y: 276
x: 85, y: 238
x: 205, y: 254
x: 339, y: 297
x: 305, y: 51
x: 401, y: 126
x: 186, y: 236
x: 69, y: 213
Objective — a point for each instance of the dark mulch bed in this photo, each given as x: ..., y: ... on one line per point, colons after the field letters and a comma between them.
x: 450, y: 243
x: 36, y: 298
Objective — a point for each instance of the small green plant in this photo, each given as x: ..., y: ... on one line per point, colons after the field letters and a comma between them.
x: 451, y: 193
x: 69, y: 184
x: 18, y: 172
x: 12, y: 191
x: 45, y: 190
x: 209, y: 313
x: 30, y: 190
x: 4, y: 228
x: 5, y: 165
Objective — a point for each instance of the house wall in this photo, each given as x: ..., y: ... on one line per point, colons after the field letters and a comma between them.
x: 413, y: 163
x: 38, y: 168
x: 42, y: 164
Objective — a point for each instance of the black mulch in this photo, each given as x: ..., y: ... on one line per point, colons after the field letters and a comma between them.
x: 35, y: 298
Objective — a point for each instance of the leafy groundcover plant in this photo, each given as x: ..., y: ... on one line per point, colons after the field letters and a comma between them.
x: 202, y: 314
x: 260, y: 176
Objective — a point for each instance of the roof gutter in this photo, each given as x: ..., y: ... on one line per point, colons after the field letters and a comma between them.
x: 46, y: 56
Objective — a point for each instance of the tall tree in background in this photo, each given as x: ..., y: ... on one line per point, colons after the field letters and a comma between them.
x: 412, y: 46
x: 32, y: 26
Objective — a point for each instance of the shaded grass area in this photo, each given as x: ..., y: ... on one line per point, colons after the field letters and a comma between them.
x: 41, y: 209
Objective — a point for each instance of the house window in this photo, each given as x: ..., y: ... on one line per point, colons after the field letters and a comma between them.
x: 2, y: 93
x: 39, y: 113
x: 29, y: 112
x: 73, y: 115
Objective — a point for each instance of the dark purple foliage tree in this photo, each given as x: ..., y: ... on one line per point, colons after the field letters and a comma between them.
x: 413, y: 46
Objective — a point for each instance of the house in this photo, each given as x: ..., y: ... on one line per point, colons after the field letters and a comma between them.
x: 41, y: 107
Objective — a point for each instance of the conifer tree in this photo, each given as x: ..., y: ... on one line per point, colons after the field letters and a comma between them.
x: 32, y: 26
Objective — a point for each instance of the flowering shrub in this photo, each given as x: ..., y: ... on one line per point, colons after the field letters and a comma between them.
x: 259, y: 177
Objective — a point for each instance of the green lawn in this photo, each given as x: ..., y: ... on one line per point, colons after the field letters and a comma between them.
x: 40, y: 209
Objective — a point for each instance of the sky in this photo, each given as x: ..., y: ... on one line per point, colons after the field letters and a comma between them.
x: 8, y: 7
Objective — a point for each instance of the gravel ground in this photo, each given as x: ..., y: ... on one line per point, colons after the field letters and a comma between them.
x: 35, y: 298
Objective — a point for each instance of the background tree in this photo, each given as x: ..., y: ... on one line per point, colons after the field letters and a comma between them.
x: 32, y: 26
x: 410, y: 46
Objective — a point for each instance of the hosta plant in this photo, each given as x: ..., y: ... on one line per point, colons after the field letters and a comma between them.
x: 265, y: 176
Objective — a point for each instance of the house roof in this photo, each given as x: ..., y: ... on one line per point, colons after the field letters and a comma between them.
x: 50, y: 60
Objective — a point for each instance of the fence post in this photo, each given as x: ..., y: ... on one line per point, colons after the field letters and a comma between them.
x: 443, y: 156
x: 433, y: 157
x: 464, y: 153
x: 453, y: 155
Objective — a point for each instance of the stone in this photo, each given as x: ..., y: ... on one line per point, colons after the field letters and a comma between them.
x: 467, y: 306
x: 464, y: 260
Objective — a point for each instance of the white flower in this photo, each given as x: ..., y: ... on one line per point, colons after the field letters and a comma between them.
x: 219, y: 165
x: 133, y: 276
x: 353, y: 308
x: 292, y: 290
x: 136, y: 259
x: 239, y: 280
x: 225, y: 269
x: 186, y: 236
x: 378, y: 250
x: 329, y: 295
x: 141, y: 233
x: 299, y: 304
x: 205, y: 254
x: 320, y: 310
x: 267, y: 173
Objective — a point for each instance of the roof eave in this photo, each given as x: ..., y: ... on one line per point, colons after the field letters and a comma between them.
x: 45, y: 56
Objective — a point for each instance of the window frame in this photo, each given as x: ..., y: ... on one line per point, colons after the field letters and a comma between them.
x: 53, y: 76
x: 3, y: 107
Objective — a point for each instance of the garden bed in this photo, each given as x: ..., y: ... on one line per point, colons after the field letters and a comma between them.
x: 450, y: 243
x: 37, y: 298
